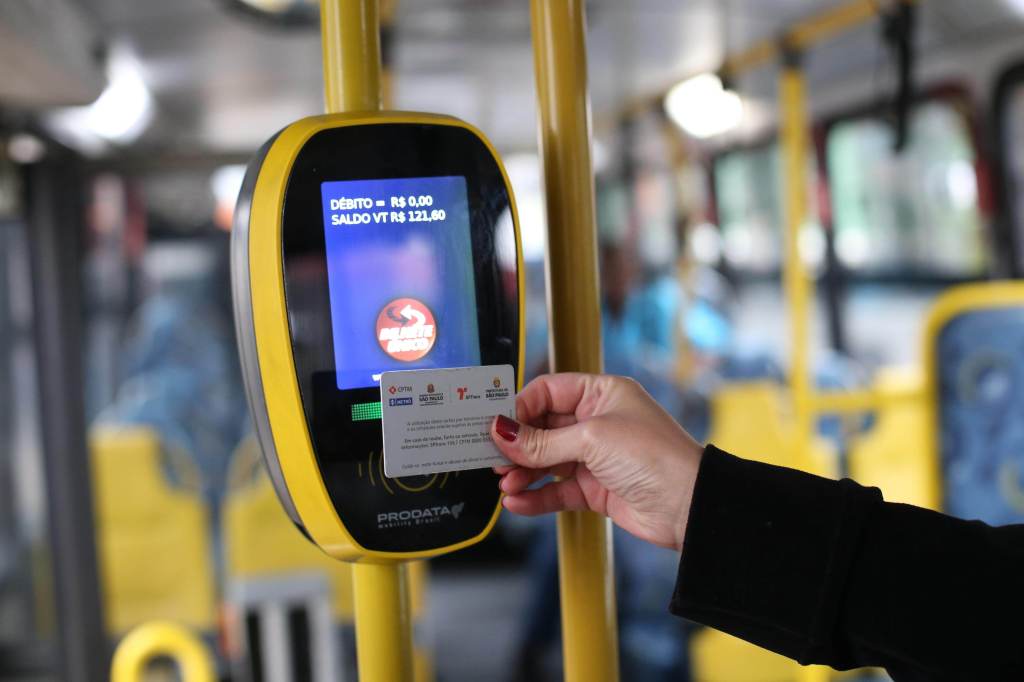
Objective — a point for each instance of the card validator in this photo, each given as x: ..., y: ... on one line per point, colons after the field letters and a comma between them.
x: 362, y: 244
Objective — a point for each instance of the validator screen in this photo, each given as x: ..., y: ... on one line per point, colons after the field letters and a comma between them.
x: 400, y: 276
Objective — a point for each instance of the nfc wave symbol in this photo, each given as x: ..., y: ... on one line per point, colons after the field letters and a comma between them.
x: 373, y: 468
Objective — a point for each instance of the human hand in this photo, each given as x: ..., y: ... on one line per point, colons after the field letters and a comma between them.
x: 616, y: 451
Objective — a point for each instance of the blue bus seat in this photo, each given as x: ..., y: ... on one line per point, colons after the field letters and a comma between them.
x: 975, y: 356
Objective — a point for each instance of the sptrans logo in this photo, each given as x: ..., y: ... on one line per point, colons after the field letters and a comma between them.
x: 405, y: 329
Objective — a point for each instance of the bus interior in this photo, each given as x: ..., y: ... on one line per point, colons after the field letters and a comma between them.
x: 131, y: 485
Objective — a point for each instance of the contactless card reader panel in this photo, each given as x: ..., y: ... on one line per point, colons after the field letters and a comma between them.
x: 363, y: 244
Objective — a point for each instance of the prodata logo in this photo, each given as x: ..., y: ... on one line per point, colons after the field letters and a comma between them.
x: 405, y: 329
x: 419, y: 517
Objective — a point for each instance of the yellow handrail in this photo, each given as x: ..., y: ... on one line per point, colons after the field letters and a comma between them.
x: 804, y: 34
x: 799, y: 289
x: 869, y: 400
x: 161, y: 638
x: 801, y: 35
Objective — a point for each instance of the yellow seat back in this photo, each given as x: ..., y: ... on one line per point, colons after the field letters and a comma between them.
x: 753, y: 420
x: 260, y: 541
x: 153, y: 540
x: 891, y: 455
x: 718, y: 657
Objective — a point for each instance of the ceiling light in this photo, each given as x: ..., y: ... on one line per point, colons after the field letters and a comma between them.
x: 25, y: 148
x: 1016, y: 5
x: 702, y: 107
x: 226, y: 183
x: 120, y: 114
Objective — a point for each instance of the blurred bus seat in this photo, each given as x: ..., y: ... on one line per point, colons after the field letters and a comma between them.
x: 261, y: 541
x: 890, y: 454
x: 270, y: 566
x: 755, y: 418
x: 718, y: 657
x: 153, y: 537
x: 284, y: 593
x: 947, y: 437
x: 973, y: 351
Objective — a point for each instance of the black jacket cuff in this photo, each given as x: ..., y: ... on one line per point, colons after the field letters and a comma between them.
x: 767, y: 552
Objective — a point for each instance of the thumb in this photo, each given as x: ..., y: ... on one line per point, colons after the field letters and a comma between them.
x: 536, y: 448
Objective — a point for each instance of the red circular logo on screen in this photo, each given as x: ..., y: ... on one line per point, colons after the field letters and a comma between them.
x: 406, y: 329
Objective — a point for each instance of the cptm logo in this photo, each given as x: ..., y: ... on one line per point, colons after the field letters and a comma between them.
x: 406, y: 329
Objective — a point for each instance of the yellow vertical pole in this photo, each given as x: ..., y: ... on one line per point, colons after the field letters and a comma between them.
x: 383, y: 625
x: 350, y: 33
x: 388, y: 8
x: 586, y: 580
x: 797, y: 282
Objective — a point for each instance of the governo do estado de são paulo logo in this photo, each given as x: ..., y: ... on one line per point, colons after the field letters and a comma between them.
x: 406, y: 329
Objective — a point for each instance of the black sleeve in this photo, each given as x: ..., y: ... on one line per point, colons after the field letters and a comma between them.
x: 824, y: 571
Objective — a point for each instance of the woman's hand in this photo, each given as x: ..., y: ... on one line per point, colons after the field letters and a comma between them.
x: 616, y: 451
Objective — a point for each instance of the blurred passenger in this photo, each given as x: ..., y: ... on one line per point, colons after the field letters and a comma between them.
x: 637, y: 327
x: 180, y: 367
x: 180, y: 370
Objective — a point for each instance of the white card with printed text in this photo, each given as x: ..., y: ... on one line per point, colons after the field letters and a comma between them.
x: 437, y: 420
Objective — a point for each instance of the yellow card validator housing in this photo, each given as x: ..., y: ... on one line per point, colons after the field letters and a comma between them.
x: 365, y: 243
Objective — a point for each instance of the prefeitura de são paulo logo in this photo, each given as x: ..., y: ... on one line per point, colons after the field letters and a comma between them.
x: 405, y: 329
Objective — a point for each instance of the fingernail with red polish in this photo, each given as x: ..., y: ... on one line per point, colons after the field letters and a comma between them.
x: 506, y: 428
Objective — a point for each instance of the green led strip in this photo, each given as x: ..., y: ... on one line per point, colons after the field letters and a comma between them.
x: 362, y: 412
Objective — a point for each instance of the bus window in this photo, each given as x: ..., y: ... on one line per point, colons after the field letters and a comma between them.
x: 748, y: 193
x: 914, y: 213
x: 1011, y: 113
x: 749, y: 188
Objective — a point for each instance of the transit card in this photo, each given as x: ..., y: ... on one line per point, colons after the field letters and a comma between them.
x: 437, y: 420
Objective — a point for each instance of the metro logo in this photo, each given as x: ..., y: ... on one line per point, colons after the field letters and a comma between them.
x: 406, y: 329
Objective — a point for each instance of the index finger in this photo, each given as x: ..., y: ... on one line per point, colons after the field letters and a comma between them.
x: 558, y: 394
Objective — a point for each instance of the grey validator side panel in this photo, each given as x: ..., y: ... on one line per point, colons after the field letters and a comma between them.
x: 245, y: 332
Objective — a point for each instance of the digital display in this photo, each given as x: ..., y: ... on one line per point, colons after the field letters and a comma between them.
x: 400, y: 276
